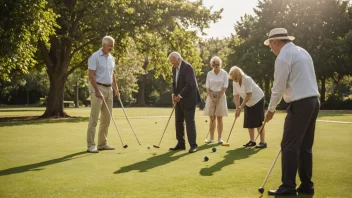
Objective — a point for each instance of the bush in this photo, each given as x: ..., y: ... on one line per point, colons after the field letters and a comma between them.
x: 336, y: 102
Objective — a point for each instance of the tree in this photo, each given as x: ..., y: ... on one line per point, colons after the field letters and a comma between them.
x: 319, y: 27
x: 22, y: 24
x: 81, y: 28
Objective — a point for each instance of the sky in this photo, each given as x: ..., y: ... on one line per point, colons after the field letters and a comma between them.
x: 233, y: 10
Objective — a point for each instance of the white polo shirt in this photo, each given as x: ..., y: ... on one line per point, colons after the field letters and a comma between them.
x: 216, y: 82
x: 248, y: 86
x: 103, y: 65
x: 294, y: 76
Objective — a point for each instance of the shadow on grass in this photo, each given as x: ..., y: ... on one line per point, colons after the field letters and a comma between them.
x: 230, y: 158
x: 297, y: 196
x: 20, y: 110
x: 159, y: 160
x: 30, y: 120
x: 39, y: 166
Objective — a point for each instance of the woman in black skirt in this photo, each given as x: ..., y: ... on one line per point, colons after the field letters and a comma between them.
x: 253, y: 104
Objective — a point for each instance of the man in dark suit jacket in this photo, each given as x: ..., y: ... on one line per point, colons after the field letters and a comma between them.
x: 185, y: 96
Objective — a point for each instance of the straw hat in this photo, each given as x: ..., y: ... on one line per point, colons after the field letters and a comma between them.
x: 278, y: 34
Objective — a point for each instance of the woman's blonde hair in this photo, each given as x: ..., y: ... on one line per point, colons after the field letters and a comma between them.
x: 233, y: 70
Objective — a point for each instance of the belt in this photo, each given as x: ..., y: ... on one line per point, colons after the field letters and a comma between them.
x: 105, y: 85
x: 310, y: 97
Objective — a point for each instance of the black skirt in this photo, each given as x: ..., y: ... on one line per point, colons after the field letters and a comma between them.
x: 254, y: 115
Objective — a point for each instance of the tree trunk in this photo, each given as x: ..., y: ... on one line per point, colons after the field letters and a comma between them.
x: 267, y: 89
x: 57, y: 59
x: 141, y: 84
x: 27, y: 97
x: 141, y: 91
x: 54, y: 105
x: 323, y: 89
x: 77, y: 95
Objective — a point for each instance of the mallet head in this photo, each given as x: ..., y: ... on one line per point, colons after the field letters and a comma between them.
x: 261, y: 190
x: 155, y: 146
x: 125, y: 146
x: 225, y: 144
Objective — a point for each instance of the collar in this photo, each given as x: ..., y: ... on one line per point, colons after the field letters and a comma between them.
x: 179, y: 66
x: 101, y: 53
x: 215, y: 73
x: 287, y: 45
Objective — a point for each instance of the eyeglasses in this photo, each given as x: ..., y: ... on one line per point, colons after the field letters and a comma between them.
x: 215, y: 65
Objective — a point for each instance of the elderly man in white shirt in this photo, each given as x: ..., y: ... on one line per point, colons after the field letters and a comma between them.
x: 295, y: 81
x: 216, y: 105
x: 101, y: 82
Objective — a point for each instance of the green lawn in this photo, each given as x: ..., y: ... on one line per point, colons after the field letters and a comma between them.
x: 48, y: 158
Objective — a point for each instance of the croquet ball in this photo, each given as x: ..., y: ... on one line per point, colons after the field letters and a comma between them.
x: 154, y: 153
x: 213, y: 149
x: 156, y: 122
x: 206, y: 158
x: 148, y: 147
x: 206, y: 120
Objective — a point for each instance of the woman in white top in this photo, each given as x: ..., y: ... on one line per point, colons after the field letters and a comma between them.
x: 253, y: 104
x: 216, y: 105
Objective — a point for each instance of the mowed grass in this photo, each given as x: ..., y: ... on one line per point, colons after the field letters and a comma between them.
x: 48, y: 158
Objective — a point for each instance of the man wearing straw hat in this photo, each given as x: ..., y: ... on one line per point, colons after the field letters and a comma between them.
x: 295, y: 81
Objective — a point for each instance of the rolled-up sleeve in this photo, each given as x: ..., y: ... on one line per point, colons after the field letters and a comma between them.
x: 207, y: 82
x: 281, y: 73
x: 248, y: 84
x: 226, y: 80
x: 92, y: 62
x: 234, y: 89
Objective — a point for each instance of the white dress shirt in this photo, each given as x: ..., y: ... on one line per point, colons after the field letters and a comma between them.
x: 216, y: 82
x: 294, y: 76
x: 103, y: 66
x: 248, y: 86
x: 177, y: 71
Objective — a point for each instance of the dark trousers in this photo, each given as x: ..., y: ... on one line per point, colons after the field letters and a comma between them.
x: 297, y: 142
x: 183, y: 114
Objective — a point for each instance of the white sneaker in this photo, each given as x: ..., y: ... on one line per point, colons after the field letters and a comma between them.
x: 209, y: 141
x: 220, y: 141
x: 92, y: 149
x: 106, y: 147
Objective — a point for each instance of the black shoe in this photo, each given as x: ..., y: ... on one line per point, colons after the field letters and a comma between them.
x: 250, y: 143
x: 305, y: 190
x: 261, y: 145
x: 281, y: 191
x: 177, y: 148
x: 193, y: 150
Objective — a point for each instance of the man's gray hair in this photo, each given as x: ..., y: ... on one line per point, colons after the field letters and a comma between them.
x: 106, y: 39
x: 215, y: 59
x: 175, y: 55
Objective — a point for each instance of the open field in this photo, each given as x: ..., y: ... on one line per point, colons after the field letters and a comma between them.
x: 47, y: 158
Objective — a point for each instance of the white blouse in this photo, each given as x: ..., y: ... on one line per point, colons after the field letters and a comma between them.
x: 216, y: 82
x: 248, y: 86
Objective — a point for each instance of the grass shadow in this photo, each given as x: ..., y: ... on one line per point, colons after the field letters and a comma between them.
x: 30, y: 120
x: 230, y: 158
x: 158, y: 160
x: 20, y: 110
x: 296, y: 196
x: 39, y: 166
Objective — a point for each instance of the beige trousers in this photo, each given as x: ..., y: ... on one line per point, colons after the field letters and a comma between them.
x: 97, y: 106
